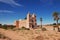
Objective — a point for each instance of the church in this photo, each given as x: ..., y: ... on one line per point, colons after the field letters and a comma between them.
x: 28, y: 22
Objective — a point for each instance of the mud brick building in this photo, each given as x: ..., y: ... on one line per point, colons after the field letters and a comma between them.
x: 28, y: 22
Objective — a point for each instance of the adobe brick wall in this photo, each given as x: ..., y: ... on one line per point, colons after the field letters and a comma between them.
x: 22, y: 23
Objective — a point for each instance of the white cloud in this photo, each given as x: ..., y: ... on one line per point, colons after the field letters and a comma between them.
x: 11, y: 2
x: 6, y: 11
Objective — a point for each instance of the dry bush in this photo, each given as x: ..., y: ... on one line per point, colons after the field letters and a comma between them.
x: 44, y: 29
x: 4, y: 37
x: 39, y: 38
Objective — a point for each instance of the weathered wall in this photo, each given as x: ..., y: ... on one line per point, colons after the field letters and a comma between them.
x: 22, y: 23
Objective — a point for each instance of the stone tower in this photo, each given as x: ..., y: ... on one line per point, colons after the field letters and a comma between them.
x: 31, y: 20
x: 34, y: 24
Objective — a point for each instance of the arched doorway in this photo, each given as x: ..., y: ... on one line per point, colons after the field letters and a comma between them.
x: 32, y: 26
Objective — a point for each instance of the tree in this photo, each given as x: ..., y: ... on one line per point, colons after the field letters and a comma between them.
x: 4, y: 26
x: 0, y: 25
x: 41, y: 21
x: 56, y: 17
x: 25, y: 18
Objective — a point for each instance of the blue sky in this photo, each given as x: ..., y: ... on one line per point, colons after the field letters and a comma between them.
x: 11, y: 10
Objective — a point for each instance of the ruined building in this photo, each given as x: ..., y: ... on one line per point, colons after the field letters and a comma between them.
x: 28, y: 22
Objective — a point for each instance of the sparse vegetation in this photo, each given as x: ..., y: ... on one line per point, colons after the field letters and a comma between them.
x: 23, y: 28
x: 39, y: 38
x: 3, y: 37
x: 31, y: 34
x: 44, y: 29
x: 4, y: 26
x: 7, y: 26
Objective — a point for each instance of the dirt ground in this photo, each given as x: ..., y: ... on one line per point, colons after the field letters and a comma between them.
x: 36, y: 34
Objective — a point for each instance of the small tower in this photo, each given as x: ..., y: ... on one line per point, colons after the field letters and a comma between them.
x: 28, y: 19
x: 28, y: 15
x: 34, y: 24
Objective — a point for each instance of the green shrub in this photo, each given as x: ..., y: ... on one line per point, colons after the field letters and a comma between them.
x: 23, y: 28
x: 44, y: 29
